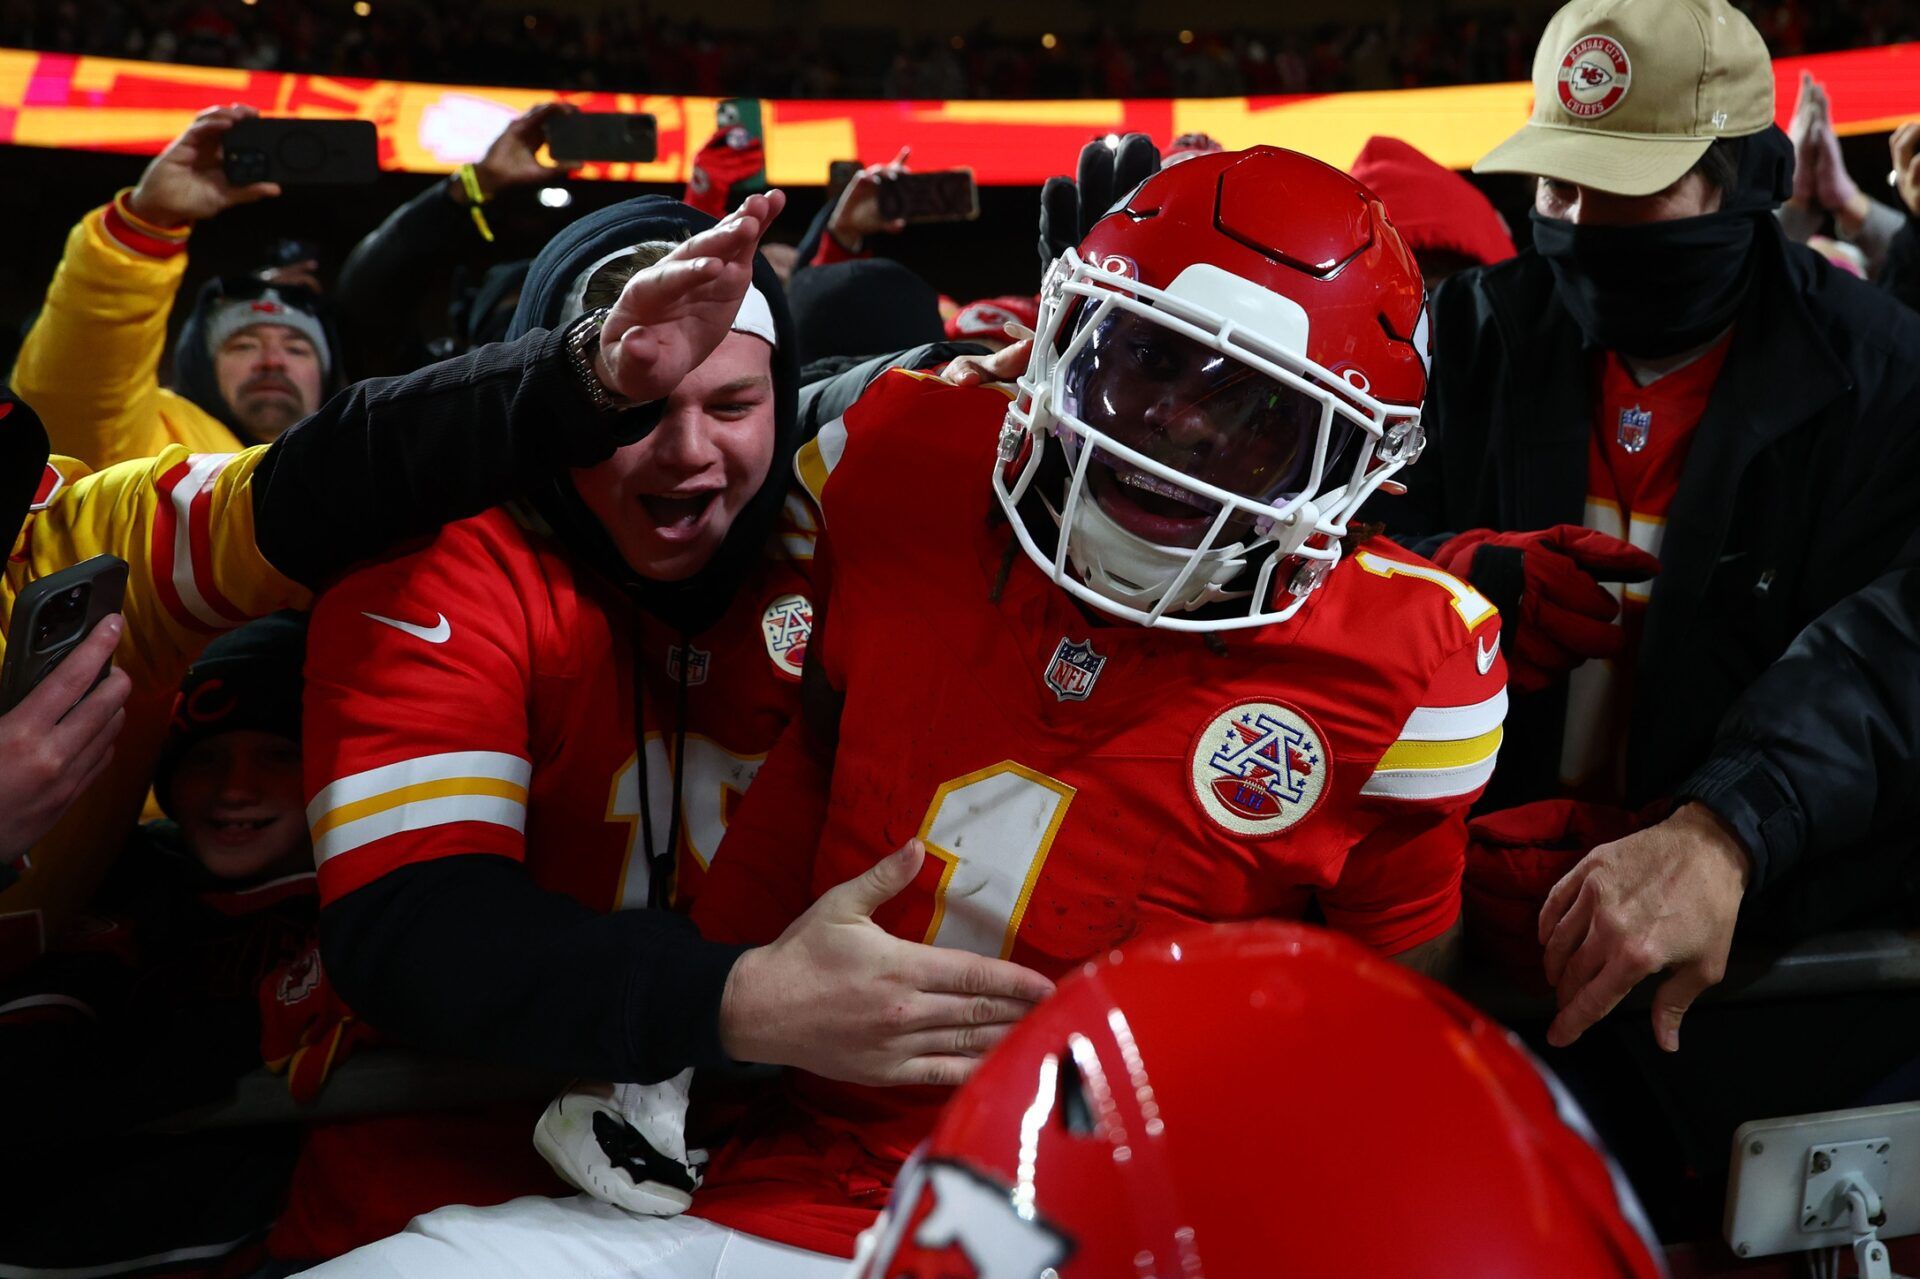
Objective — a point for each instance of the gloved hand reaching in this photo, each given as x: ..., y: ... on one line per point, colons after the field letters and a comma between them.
x: 1564, y: 616
x: 624, y: 1144
x: 1069, y: 208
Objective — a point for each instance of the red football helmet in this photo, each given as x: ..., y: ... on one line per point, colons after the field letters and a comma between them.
x: 1231, y: 363
x: 1261, y: 1100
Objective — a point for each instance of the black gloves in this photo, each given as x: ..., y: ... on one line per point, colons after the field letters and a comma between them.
x: 1069, y: 208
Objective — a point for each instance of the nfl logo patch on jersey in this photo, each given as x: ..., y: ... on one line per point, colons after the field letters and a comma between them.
x: 699, y: 660
x: 1635, y: 425
x: 1259, y: 768
x: 1074, y: 668
x: 787, y: 625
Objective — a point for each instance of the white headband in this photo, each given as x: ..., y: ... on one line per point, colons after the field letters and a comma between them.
x: 755, y: 316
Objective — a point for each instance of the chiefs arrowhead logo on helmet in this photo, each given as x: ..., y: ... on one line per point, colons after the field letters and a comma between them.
x: 948, y: 1222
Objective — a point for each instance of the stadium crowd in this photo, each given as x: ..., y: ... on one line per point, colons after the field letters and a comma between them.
x: 819, y: 724
x: 630, y: 50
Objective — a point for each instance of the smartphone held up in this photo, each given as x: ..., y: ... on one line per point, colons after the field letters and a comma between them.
x: 52, y: 616
x: 298, y: 152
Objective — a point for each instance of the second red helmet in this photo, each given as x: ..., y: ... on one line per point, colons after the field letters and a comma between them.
x: 1266, y: 1100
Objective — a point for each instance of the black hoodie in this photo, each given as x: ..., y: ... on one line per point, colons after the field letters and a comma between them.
x: 465, y: 954
x: 696, y: 603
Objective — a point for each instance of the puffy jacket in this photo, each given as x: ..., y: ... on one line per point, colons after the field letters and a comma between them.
x: 91, y: 363
x: 183, y: 522
x: 214, y: 540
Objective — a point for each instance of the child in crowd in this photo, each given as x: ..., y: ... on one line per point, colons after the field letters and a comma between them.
x: 151, y: 1005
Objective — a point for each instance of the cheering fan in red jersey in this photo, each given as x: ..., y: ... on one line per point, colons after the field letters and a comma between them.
x: 1111, y: 659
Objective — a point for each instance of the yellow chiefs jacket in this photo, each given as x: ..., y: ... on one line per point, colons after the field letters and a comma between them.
x: 184, y: 522
x: 90, y: 366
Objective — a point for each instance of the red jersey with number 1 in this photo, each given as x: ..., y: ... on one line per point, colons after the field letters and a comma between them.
x: 1080, y: 783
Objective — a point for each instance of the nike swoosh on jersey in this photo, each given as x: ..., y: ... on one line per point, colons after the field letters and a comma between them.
x: 1483, y: 656
x: 438, y: 633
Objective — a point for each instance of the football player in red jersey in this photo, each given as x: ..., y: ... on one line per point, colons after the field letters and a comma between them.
x: 528, y: 730
x: 1096, y: 1141
x: 1113, y: 657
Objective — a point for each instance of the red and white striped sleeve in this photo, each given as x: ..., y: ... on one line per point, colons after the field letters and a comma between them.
x: 415, y: 724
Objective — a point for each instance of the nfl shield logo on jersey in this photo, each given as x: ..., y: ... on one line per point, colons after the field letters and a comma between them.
x: 1074, y: 668
x: 1635, y: 425
x: 698, y: 661
x: 1259, y: 768
x: 787, y: 625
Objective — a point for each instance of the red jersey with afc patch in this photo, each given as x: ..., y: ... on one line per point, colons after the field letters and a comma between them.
x: 476, y: 696
x: 1081, y: 783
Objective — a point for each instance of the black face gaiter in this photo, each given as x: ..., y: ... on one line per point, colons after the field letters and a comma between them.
x: 1655, y: 289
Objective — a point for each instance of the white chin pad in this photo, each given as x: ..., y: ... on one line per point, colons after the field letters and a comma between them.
x: 1130, y: 570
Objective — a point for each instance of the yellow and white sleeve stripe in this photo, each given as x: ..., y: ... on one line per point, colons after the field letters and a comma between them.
x: 1442, y: 753
x: 415, y: 794
x: 818, y: 456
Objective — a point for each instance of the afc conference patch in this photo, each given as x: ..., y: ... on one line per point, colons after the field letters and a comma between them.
x: 787, y: 625
x: 1073, y: 670
x: 1259, y: 768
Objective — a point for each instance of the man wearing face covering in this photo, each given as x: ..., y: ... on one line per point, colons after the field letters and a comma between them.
x: 1678, y: 452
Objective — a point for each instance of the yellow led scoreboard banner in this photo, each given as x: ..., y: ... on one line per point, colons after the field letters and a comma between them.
x: 109, y: 104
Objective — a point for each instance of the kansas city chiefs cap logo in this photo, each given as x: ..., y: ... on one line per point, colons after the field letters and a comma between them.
x: 1594, y: 77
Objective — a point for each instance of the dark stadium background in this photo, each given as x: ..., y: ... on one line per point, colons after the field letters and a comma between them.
x: 43, y: 192
x: 791, y: 48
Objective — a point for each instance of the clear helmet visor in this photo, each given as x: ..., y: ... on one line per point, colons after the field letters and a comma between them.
x: 1189, y: 410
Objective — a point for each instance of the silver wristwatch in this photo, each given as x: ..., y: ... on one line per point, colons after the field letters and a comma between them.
x: 581, y: 341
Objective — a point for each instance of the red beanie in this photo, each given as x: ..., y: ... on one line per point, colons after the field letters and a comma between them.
x: 1433, y: 207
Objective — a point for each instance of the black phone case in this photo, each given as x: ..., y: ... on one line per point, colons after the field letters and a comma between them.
x: 947, y: 195
x: 588, y: 135
x: 301, y: 152
x: 23, y: 667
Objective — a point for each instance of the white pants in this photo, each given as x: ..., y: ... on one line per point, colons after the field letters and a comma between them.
x: 578, y: 1238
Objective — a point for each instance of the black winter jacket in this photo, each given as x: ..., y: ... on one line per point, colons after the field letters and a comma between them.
x: 1779, y: 675
x: 1900, y: 273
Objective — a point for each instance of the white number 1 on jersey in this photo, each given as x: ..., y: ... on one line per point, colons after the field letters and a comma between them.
x: 992, y: 829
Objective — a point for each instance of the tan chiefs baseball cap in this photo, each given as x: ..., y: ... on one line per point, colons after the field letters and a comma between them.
x: 1629, y: 94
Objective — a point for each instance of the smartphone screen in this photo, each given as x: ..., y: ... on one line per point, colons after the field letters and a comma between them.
x: 942, y: 195
x: 604, y: 135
